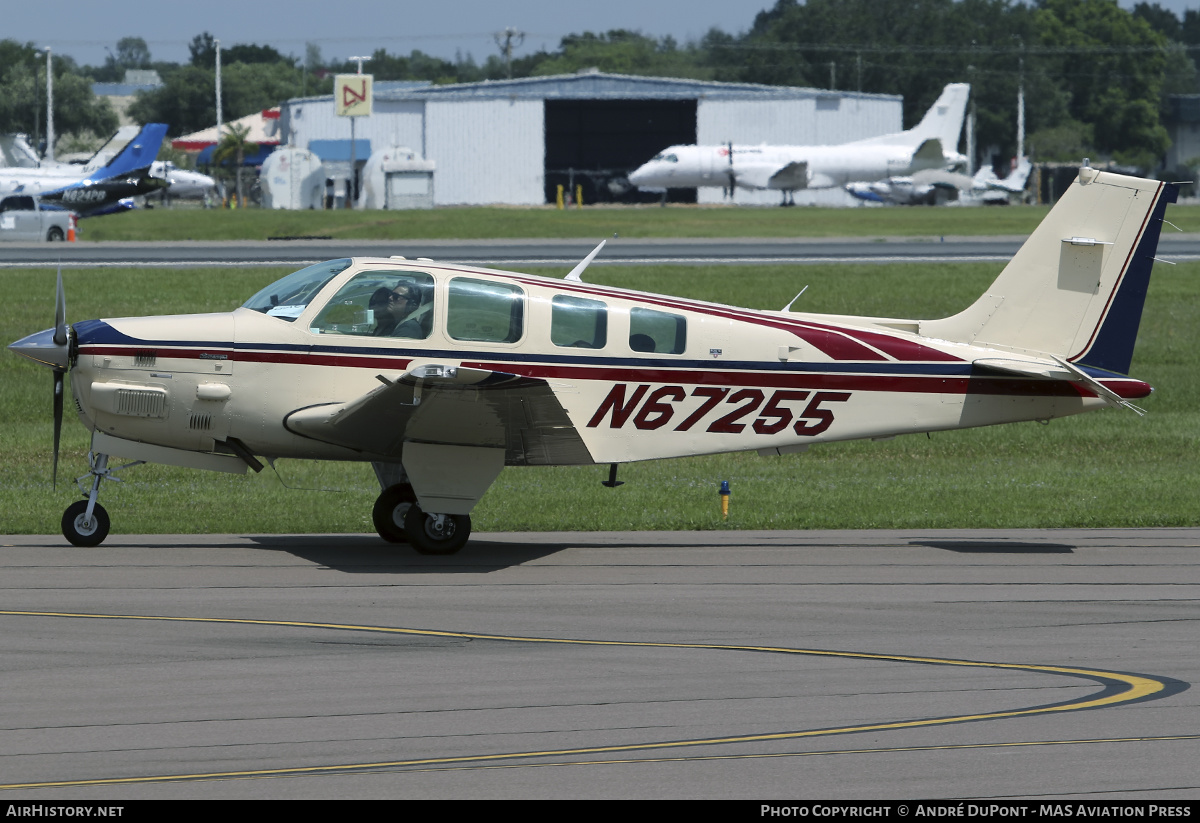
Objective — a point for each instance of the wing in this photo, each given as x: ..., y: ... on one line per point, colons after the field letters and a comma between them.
x: 450, y: 405
x: 792, y: 175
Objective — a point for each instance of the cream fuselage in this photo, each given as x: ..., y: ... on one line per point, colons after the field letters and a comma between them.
x: 742, y: 380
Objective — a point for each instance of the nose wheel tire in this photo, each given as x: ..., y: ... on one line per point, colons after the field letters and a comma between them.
x: 79, y: 530
x: 390, y: 508
x: 436, y: 533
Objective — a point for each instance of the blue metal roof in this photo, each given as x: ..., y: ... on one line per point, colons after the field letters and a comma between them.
x: 595, y: 85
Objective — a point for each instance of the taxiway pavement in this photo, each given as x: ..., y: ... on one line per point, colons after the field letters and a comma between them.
x: 756, y: 665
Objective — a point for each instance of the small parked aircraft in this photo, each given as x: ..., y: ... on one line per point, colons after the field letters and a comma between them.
x: 931, y: 144
x: 90, y: 191
x: 934, y: 188
x: 441, y: 374
x: 183, y: 183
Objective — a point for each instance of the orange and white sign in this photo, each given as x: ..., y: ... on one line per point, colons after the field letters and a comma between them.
x: 352, y: 95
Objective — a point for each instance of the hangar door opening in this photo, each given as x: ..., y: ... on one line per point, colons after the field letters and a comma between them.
x: 596, y: 143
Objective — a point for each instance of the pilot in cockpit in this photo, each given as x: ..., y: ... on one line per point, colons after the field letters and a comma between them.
x: 396, y: 311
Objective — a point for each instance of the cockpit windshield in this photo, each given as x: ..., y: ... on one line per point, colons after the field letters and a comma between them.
x: 288, y: 298
x: 666, y: 157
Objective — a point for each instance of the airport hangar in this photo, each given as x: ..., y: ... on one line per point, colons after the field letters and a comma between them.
x: 515, y: 141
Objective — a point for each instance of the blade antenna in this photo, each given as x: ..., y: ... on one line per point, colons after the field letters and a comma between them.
x: 788, y: 307
x: 575, y: 275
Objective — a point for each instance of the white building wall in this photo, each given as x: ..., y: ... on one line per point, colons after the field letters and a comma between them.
x: 815, y: 121
x: 487, y: 151
x: 391, y: 124
x: 750, y: 122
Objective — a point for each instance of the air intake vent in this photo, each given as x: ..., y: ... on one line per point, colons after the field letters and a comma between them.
x: 141, y: 403
x: 200, y: 422
x: 145, y: 357
x: 132, y: 400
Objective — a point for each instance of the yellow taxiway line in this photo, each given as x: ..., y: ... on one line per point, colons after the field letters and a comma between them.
x: 1118, y: 688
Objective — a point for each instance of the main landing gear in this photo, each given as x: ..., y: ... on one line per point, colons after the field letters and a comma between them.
x: 85, y: 522
x: 398, y: 519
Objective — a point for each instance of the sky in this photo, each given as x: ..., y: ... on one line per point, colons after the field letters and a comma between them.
x: 83, y: 29
x: 344, y: 28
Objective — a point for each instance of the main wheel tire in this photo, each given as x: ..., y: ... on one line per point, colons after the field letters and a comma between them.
x: 391, y: 506
x: 78, y: 531
x: 55, y: 235
x: 430, y: 534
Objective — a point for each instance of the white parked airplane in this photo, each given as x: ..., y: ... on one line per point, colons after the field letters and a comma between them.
x: 934, y: 187
x: 95, y: 188
x: 442, y: 374
x: 932, y: 144
x: 183, y: 183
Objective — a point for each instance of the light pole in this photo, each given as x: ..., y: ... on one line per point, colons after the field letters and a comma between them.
x: 217, y: 43
x: 37, y: 105
x: 352, y: 194
x: 49, y: 108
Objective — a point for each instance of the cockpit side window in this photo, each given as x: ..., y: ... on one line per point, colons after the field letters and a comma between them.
x: 288, y: 298
x: 381, y: 303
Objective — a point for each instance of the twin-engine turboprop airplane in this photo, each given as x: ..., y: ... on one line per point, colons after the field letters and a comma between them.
x: 440, y: 375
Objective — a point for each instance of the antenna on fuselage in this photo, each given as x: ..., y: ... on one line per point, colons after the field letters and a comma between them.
x: 576, y: 273
x: 788, y: 307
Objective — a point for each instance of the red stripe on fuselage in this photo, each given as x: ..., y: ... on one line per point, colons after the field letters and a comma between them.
x: 920, y: 384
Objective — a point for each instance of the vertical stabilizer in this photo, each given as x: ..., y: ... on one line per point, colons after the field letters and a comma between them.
x: 138, y: 153
x: 1077, y: 287
x: 943, y: 122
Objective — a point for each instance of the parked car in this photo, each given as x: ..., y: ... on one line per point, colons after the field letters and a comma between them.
x: 22, y: 217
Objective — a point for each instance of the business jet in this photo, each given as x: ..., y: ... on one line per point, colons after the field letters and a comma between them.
x: 183, y: 183
x: 97, y: 190
x: 440, y: 375
x: 937, y: 187
x: 932, y: 144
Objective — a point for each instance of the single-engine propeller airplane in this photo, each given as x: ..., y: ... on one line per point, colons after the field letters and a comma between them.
x: 440, y: 374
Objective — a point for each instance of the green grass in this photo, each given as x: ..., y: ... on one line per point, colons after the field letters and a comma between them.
x: 627, y: 221
x: 1105, y: 469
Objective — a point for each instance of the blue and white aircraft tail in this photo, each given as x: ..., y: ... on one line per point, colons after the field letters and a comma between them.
x: 96, y: 191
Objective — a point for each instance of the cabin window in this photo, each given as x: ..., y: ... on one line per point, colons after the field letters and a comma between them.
x: 484, y: 311
x: 576, y: 322
x: 657, y: 331
x: 394, y: 304
x: 288, y: 298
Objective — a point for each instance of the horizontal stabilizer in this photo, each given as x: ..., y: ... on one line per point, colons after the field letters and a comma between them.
x: 1049, y: 370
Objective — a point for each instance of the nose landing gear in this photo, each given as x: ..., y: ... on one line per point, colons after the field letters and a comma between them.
x: 85, y: 522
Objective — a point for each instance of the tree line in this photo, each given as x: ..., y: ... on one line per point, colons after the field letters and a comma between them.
x: 1096, y: 77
